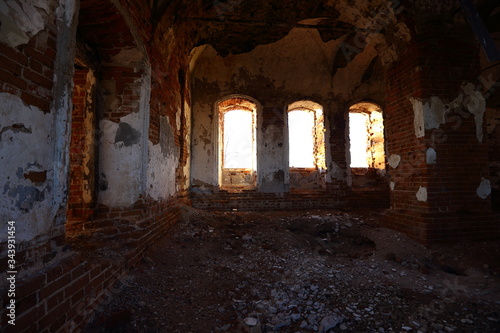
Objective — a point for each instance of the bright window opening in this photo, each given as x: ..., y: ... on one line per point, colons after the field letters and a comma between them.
x: 358, y: 135
x: 366, y: 136
x: 238, y: 139
x: 237, y: 143
x: 306, y: 138
x: 301, y: 138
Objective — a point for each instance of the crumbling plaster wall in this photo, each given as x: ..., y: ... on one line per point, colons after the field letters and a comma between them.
x: 300, y: 66
x: 34, y: 113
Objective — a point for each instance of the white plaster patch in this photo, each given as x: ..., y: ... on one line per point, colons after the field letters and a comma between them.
x: 21, y: 20
x: 428, y: 115
x: 422, y: 194
x: 434, y: 113
x: 394, y: 160
x: 418, y: 120
x: 69, y: 11
x: 431, y: 156
x: 484, y: 188
x: 475, y: 104
x: 26, y: 144
x: 161, y: 173
x: 392, y: 185
x: 122, y: 165
x: 336, y: 172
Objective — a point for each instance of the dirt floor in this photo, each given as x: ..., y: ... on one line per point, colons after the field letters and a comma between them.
x: 303, y: 271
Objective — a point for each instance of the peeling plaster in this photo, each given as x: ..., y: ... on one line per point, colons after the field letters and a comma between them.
x: 431, y: 156
x: 270, y: 72
x: 163, y: 162
x: 431, y: 114
x: 475, y: 104
x: 392, y: 185
x: 161, y: 172
x: 336, y: 172
x: 394, y: 160
x: 422, y: 194
x: 121, y: 164
x: 484, y: 188
x: 26, y: 168
x: 61, y: 106
x: 375, y: 16
x: 127, y: 134
x: 418, y: 120
x: 434, y: 113
x: 22, y: 19
x: 128, y: 57
x: 348, y: 78
x: 67, y: 10
x: 428, y: 115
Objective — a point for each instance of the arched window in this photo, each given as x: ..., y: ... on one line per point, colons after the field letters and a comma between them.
x: 306, y: 139
x: 237, y: 137
x: 366, y: 136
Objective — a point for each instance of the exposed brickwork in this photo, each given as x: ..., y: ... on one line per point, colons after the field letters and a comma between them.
x: 81, y: 200
x: 253, y: 200
x: 63, y: 295
x: 493, y: 137
x: 125, y: 84
x: 436, y: 65
x: 27, y: 71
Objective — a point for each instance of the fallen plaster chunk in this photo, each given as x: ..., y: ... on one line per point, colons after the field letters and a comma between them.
x: 484, y: 188
x: 431, y: 156
x: 394, y: 160
x: 422, y: 194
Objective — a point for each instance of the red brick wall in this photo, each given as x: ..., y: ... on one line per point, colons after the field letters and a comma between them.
x: 493, y: 139
x: 26, y: 71
x: 63, y: 295
x: 82, y: 150
x: 436, y: 65
x: 127, y: 84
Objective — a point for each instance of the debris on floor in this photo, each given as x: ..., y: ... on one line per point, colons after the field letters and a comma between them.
x: 303, y: 271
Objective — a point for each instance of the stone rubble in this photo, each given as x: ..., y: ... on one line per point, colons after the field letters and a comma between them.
x: 260, y: 273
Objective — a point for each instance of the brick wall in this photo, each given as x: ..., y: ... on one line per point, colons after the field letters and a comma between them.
x: 61, y: 279
x: 126, y: 85
x: 436, y: 64
x: 493, y: 137
x: 253, y: 200
x: 27, y: 70
x: 62, y: 296
x: 81, y: 198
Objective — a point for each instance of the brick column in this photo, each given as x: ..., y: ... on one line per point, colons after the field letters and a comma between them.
x: 435, y: 147
x: 82, y: 150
